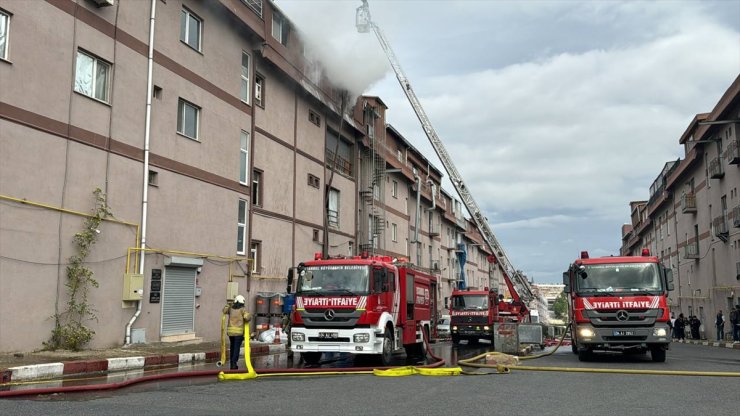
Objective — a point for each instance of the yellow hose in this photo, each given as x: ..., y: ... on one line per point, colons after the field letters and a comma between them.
x: 505, y: 369
x: 223, y: 341
x: 247, y: 360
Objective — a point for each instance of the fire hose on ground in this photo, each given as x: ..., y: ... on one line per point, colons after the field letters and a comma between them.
x: 427, y: 370
x: 506, y: 369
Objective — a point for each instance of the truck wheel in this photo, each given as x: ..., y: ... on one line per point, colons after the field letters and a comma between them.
x: 456, y: 339
x: 387, y: 355
x: 311, y: 358
x: 657, y: 354
x: 585, y: 355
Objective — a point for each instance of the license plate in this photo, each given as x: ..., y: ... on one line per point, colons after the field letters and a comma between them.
x: 328, y: 335
x: 624, y: 333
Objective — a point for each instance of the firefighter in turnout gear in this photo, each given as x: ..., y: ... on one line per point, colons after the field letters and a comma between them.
x: 237, y: 317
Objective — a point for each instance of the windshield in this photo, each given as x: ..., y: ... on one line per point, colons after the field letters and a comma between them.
x: 623, y: 277
x: 334, y: 280
x: 468, y: 302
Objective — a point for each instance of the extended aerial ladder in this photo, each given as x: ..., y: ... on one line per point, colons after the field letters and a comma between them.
x: 518, y: 286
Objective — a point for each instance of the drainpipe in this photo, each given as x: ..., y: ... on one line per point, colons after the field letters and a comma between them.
x: 145, y: 193
x: 434, y: 195
x: 417, y: 180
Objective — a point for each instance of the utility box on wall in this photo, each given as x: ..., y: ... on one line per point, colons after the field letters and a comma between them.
x: 133, y: 286
x: 232, y: 289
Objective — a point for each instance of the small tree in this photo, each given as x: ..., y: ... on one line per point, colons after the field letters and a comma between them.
x: 560, y: 307
x: 69, y: 330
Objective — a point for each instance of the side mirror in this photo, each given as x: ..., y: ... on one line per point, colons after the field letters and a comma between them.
x: 669, y: 279
x: 290, y: 280
x: 566, y: 282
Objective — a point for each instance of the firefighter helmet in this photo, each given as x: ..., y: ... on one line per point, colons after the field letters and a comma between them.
x: 239, y: 299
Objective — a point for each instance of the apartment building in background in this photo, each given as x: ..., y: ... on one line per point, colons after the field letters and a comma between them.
x: 692, y: 219
x: 225, y: 155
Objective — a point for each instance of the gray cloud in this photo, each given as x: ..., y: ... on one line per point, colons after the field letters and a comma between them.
x: 557, y: 114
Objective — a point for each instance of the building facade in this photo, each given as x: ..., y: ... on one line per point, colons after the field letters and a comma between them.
x: 222, y: 153
x: 692, y: 219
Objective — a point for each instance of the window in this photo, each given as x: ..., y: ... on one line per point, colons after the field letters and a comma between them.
x: 254, y: 256
x: 394, y: 232
x: 243, y: 157
x: 332, y: 209
x: 4, y: 34
x: 259, y: 90
x: 314, y: 118
x: 257, y: 188
x: 153, y: 178
x: 188, y: 117
x: 314, y: 181
x: 91, y: 76
x: 338, y: 153
x: 315, y: 235
x: 280, y: 28
x: 241, y: 227
x: 394, y: 190
x: 245, y: 77
x: 190, y: 29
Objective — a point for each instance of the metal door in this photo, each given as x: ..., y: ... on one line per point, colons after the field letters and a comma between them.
x: 178, y: 300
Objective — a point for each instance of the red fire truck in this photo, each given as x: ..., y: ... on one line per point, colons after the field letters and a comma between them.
x: 472, y: 314
x: 361, y: 305
x: 619, y: 303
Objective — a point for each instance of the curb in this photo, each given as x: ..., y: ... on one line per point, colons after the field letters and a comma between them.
x: 48, y: 371
x: 721, y: 344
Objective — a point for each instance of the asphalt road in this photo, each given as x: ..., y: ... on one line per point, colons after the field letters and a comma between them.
x: 518, y: 393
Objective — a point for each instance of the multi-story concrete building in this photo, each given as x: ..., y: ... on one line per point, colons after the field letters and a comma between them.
x: 211, y: 138
x: 550, y: 293
x: 224, y: 155
x: 692, y: 219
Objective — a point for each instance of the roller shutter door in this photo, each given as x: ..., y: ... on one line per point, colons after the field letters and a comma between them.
x: 178, y: 301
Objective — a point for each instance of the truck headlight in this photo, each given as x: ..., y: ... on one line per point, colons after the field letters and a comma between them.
x: 586, y: 332
x: 454, y: 328
x: 297, y: 336
x: 361, y: 338
x: 486, y: 328
x: 659, y: 332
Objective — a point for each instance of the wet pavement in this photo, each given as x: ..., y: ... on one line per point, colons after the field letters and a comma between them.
x: 206, y: 370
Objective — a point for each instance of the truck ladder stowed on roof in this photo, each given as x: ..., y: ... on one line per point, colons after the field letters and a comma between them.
x: 518, y: 285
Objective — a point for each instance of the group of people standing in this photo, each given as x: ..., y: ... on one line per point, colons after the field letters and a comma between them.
x: 692, y: 324
x: 681, y: 324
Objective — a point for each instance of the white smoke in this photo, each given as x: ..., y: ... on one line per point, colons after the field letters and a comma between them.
x: 351, y: 60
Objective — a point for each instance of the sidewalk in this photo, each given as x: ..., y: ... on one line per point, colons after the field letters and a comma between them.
x: 721, y: 344
x: 44, y: 365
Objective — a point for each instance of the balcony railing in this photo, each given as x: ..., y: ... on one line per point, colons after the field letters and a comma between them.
x: 715, y: 168
x: 720, y: 226
x: 434, y: 230
x: 341, y: 164
x: 733, y: 153
x: 688, y: 202
x: 255, y: 5
x: 691, y: 251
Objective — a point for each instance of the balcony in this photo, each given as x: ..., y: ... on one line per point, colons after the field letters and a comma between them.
x: 691, y: 251
x: 736, y: 216
x: 733, y: 153
x: 434, y: 230
x: 688, y: 202
x: 715, y: 168
x: 720, y: 228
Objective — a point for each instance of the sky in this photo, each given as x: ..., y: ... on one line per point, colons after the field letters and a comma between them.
x: 557, y: 114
